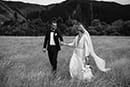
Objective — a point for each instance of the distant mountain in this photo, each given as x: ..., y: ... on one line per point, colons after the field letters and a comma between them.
x: 110, y: 11
x: 25, y: 8
x: 68, y: 9
x: 78, y: 9
x: 105, y: 11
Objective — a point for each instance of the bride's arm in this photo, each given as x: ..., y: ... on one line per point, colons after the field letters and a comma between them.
x: 71, y: 44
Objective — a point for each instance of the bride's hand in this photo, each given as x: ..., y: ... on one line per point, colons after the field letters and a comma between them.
x: 86, y: 60
x: 63, y: 43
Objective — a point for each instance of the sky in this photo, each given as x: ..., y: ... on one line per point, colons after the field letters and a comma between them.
x: 42, y: 2
x: 47, y: 2
x: 118, y: 1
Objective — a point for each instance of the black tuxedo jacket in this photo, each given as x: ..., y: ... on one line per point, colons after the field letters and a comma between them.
x: 57, y: 37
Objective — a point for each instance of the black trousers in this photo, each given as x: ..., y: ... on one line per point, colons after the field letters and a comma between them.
x: 52, y: 53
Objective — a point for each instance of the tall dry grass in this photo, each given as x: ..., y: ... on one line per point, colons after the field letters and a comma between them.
x: 23, y: 64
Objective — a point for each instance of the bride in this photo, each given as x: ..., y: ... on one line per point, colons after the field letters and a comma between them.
x: 82, y: 49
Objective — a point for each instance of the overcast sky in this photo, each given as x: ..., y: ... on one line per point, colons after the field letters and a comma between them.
x: 46, y: 2
x: 119, y: 1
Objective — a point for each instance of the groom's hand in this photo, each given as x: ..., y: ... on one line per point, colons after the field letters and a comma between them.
x: 44, y: 50
x: 62, y: 43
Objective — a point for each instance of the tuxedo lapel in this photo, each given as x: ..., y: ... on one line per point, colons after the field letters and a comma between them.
x: 55, y: 37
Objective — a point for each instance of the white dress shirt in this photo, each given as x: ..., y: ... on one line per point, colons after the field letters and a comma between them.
x: 52, y: 42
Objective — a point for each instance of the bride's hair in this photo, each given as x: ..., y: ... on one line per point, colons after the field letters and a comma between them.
x: 75, y: 22
x: 80, y: 25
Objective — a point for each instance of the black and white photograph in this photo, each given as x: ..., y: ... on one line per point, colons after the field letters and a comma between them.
x: 64, y: 43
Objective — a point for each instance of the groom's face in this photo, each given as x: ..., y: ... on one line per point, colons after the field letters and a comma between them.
x: 54, y: 26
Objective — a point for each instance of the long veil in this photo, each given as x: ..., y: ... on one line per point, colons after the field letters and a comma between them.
x: 99, y: 61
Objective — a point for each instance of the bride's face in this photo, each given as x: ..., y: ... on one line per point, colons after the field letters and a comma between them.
x: 79, y: 29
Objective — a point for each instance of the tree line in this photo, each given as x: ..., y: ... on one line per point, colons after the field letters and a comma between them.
x: 39, y: 28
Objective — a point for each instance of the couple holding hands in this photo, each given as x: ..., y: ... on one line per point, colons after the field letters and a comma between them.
x: 79, y: 67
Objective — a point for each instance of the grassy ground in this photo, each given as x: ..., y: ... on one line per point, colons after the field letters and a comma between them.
x: 23, y: 64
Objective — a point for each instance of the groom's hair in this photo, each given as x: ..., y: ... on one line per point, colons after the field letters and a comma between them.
x: 53, y: 20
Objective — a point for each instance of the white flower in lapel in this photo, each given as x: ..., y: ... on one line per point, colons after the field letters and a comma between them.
x: 55, y: 34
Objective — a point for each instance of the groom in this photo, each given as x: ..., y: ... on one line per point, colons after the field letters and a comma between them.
x: 52, y: 44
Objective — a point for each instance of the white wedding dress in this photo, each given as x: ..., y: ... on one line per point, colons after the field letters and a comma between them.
x: 77, y: 63
x: 83, y: 48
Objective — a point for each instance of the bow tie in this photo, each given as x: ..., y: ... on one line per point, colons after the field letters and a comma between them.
x: 52, y: 30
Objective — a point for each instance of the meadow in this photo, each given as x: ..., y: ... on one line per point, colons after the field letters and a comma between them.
x: 23, y: 64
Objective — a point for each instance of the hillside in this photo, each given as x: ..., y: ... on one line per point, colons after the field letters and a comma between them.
x: 25, y: 7
x: 110, y: 11
x: 106, y: 11
x: 18, y: 18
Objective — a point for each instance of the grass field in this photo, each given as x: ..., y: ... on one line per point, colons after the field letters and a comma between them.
x: 23, y: 64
